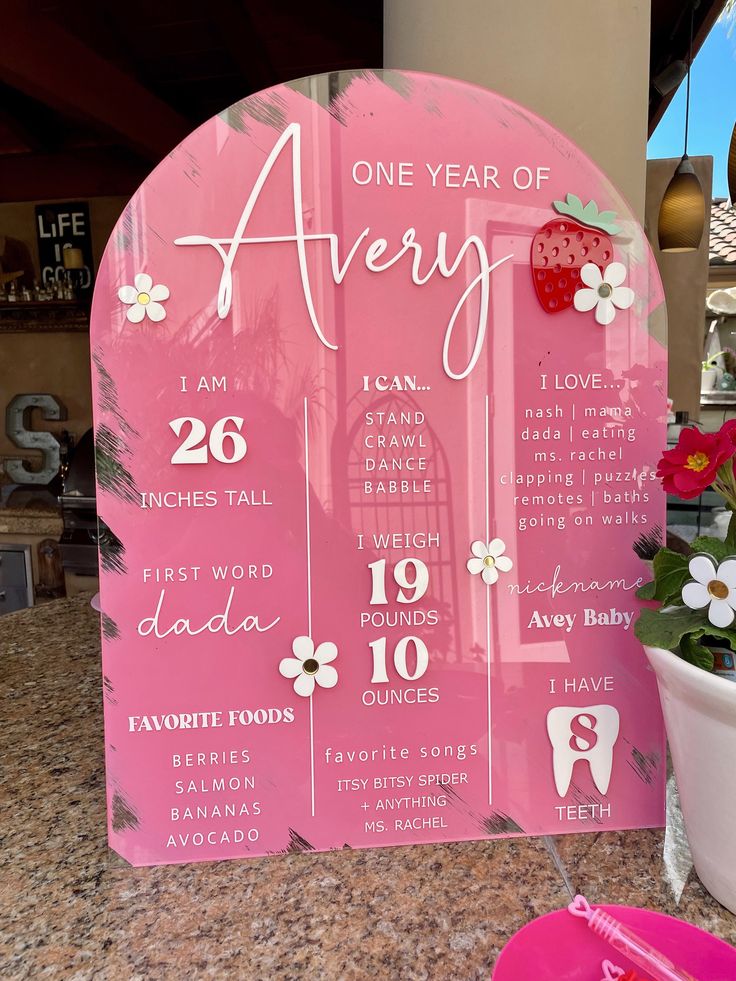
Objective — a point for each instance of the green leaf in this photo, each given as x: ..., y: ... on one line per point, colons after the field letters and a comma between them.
x: 609, y: 229
x: 681, y: 630
x: 725, y: 633
x: 696, y: 653
x: 565, y: 209
x: 606, y: 221
x: 671, y: 572
x: 647, y: 591
x: 665, y: 629
x: 588, y: 214
x: 572, y: 205
x: 714, y: 547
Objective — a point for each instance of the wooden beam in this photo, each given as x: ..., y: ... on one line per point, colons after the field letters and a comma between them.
x: 713, y: 11
x: 83, y: 173
x: 239, y: 35
x: 31, y: 124
x: 41, y: 59
x: 17, y: 131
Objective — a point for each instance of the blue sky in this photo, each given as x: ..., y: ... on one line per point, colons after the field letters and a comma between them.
x: 712, y: 108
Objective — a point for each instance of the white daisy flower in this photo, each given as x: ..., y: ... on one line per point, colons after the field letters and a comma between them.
x: 606, y: 292
x: 714, y: 588
x: 309, y: 666
x: 488, y: 560
x: 144, y: 299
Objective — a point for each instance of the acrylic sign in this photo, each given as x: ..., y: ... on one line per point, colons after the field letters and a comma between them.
x: 379, y: 383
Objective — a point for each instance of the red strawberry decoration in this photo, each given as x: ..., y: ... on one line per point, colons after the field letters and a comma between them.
x: 564, y: 245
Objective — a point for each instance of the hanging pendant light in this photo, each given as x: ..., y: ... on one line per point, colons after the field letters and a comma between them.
x: 682, y: 211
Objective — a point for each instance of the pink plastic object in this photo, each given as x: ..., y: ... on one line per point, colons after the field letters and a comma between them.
x: 636, y: 949
x: 554, y: 946
x: 611, y: 972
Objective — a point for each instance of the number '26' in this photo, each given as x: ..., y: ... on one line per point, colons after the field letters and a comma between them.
x: 196, y: 447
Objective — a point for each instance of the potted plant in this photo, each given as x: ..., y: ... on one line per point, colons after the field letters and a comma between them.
x: 690, y: 640
x: 709, y: 372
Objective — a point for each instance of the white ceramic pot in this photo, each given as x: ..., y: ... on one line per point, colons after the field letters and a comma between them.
x: 700, y: 717
x: 708, y: 378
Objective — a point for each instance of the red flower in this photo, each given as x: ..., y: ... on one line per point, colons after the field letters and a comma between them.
x: 689, y: 468
x: 729, y: 429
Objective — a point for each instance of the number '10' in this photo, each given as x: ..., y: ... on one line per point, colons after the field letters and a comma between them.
x: 410, y: 591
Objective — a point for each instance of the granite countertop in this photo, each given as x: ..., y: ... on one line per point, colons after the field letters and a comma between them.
x: 32, y: 517
x: 71, y: 908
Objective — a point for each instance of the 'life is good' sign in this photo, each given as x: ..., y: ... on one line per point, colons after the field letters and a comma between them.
x: 379, y: 380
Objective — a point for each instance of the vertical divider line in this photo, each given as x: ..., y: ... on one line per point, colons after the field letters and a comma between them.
x: 309, y: 590
x: 309, y: 529
x: 311, y: 744
x: 488, y: 609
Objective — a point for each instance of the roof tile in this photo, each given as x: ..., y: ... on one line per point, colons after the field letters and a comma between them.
x: 722, y: 233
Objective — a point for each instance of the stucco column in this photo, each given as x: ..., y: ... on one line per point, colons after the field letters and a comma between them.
x: 583, y: 65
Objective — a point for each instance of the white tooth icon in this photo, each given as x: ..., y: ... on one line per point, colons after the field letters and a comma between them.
x: 582, y: 732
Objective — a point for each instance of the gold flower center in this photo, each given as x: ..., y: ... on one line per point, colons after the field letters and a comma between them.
x: 605, y: 291
x: 310, y: 666
x: 144, y: 298
x: 489, y: 561
x: 697, y: 461
x: 718, y: 589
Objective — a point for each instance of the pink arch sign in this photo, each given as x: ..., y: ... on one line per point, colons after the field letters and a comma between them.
x: 379, y: 380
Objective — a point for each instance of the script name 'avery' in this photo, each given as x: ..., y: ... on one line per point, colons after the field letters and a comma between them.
x: 473, y: 248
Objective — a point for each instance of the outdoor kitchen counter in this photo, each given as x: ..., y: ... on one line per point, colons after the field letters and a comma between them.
x: 70, y: 908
